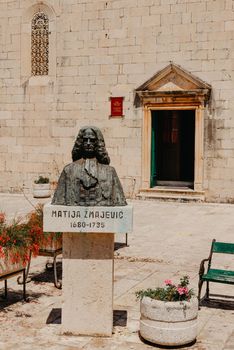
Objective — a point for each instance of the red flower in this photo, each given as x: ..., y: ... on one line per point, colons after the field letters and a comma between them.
x: 2, y: 218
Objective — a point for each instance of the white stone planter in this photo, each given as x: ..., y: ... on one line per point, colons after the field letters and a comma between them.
x: 169, y: 323
x: 41, y: 190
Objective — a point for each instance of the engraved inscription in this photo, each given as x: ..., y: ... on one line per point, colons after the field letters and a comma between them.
x: 62, y: 218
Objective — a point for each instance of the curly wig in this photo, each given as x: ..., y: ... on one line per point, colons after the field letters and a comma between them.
x: 100, y: 152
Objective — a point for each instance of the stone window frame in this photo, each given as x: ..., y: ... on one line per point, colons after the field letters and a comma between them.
x: 40, y: 44
x: 26, y: 30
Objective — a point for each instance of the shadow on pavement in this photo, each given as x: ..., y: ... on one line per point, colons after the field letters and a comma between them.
x: 119, y: 317
x: 47, y: 275
x: 119, y: 245
x: 193, y: 345
x: 54, y: 316
x: 15, y: 297
x: 219, y: 301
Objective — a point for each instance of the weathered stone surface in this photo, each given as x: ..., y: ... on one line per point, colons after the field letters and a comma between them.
x: 169, y: 311
x: 146, y: 262
x: 169, y: 323
x: 36, y: 113
x: 61, y: 218
x: 88, y: 284
x: 168, y: 334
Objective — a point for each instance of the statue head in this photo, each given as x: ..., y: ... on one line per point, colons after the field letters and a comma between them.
x: 89, y: 144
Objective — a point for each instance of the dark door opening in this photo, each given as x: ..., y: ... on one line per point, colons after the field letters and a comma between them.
x: 172, y: 148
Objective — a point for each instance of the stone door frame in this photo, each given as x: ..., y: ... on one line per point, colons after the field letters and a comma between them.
x: 173, y: 88
x: 199, y: 141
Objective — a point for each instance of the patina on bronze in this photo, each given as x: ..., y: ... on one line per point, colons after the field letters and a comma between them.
x: 89, y: 180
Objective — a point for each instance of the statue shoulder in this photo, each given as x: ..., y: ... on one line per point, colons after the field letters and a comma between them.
x: 110, y: 170
x: 69, y: 167
x: 107, y: 167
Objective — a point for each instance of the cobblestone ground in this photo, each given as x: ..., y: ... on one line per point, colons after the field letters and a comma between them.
x: 169, y: 240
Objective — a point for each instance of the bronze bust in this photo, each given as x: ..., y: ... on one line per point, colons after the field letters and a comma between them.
x: 89, y: 180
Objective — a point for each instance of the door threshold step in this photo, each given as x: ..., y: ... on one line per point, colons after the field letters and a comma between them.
x: 172, y: 194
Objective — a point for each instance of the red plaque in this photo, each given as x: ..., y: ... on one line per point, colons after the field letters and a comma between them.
x: 116, y: 106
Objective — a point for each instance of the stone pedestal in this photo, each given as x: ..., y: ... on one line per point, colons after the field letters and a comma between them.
x: 88, y: 251
x: 88, y: 283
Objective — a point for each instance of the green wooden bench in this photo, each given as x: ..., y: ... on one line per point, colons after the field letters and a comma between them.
x: 215, y: 275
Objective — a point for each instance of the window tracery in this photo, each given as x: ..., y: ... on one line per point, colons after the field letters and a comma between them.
x: 40, y: 44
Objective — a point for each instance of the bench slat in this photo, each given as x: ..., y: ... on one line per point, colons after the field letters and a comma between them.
x: 220, y: 276
x: 221, y: 247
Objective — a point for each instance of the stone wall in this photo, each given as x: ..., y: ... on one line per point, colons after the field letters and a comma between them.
x: 100, y: 49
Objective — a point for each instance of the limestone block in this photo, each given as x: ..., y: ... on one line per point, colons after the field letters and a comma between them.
x: 186, y: 18
x: 229, y: 25
x: 119, y: 4
x: 5, y: 114
x: 222, y: 53
x: 201, y: 54
x: 151, y: 2
x: 210, y: 27
x: 7, y: 141
x: 134, y: 25
x: 160, y: 8
x: 106, y: 42
x: 215, y: 6
x: 101, y: 59
x: 227, y: 94
x: 136, y: 68
x: 220, y: 35
x: 153, y: 20
x: 208, y: 65
x: 104, y: 80
x: 88, y: 284
x: 183, y: 36
x: 95, y: 24
x: 97, y: 5
x: 229, y: 5
x: 113, y: 13
x: 174, y: 18
x: 112, y: 69
x: 140, y: 11
x: 178, y: 8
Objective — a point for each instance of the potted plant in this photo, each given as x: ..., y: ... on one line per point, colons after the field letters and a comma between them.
x: 41, y: 187
x: 169, y: 314
x: 45, y: 240
x: 15, y: 245
x: 50, y: 243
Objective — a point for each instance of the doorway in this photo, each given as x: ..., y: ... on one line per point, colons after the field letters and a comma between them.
x: 172, y: 148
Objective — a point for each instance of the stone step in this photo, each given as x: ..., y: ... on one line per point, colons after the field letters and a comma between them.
x: 172, y: 194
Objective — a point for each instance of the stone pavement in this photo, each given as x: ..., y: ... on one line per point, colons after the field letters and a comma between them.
x: 169, y: 240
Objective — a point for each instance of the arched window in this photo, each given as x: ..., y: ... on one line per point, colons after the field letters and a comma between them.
x: 40, y: 44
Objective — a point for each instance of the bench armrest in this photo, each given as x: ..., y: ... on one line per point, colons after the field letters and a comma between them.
x: 202, y: 266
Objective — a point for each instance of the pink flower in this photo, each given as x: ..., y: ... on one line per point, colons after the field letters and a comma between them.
x: 168, y: 282
x: 182, y: 290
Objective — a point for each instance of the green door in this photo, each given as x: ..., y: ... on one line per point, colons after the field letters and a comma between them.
x: 172, y: 147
